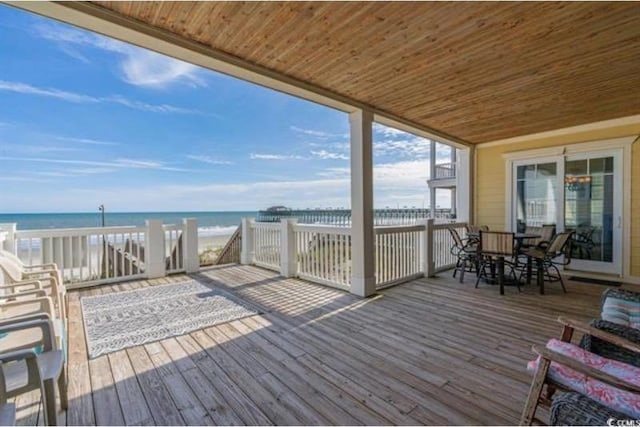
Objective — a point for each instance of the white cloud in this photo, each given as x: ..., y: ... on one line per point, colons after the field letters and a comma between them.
x: 414, y: 147
x: 87, y: 141
x: 125, y: 163
x: 208, y: 159
x: 318, y: 133
x: 78, y: 98
x: 138, y: 66
x: 74, y: 172
x: 258, y: 156
x: 390, y: 132
x: 396, y: 184
x: 327, y: 155
x: 145, y: 68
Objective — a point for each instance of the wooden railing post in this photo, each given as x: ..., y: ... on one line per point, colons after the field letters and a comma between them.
x: 191, y: 259
x: 246, y: 256
x: 155, y: 258
x: 10, y: 238
x: 288, y: 255
x: 428, y: 263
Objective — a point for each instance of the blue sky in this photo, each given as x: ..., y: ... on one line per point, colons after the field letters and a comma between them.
x: 86, y: 120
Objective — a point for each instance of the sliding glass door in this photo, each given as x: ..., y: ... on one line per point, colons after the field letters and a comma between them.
x: 581, y: 193
x: 592, y: 209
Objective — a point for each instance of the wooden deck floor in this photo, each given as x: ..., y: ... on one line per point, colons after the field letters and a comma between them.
x: 426, y: 352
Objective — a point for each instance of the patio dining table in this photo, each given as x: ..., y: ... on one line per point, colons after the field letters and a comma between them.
x: 519, y: 238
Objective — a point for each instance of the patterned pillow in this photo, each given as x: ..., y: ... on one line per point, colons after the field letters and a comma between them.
x: 622, y: 401
x: 622, y: 311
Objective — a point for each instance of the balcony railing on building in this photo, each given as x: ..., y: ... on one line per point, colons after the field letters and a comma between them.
x: 445, y: 171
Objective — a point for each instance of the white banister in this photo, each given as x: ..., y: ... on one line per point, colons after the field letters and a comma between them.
x: 428, y: 264
x: 9, y: 243
x: 155, y: 249
x: 191, y: 261
x: 288, y: 252
x: 246, y: 254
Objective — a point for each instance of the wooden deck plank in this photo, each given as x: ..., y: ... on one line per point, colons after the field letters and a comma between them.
x: 161, y: 405
x: 227, y: 390
x: 432, y: 351
x: 80, y: 411
x: 134, y: 406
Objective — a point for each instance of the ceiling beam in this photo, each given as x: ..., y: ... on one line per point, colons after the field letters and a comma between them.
x: 103, y: 21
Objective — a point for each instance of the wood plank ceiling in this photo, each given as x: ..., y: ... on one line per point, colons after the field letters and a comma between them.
x: 477, y: 71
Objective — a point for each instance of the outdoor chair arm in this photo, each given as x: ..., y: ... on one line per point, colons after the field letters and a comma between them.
x: 582, y: 368
x: 14, y: 287
x: 33, y: 322
x: 46, y: 308
x: 571, y: 325
x: 42, y: 274
x: 13, y: 296
x: 48, y: 266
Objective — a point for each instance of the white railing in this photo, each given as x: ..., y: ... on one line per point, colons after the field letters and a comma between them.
x: 442, y: 242
x: 174, y: 248
x: 86, y: 255
x: 92, y: 256
x: 445, y: 170
x: 266, y: 245
x: 398, y: 254
x: 323, y: 254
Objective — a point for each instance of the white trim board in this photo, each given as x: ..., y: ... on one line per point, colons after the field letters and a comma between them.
x: 622, y: 121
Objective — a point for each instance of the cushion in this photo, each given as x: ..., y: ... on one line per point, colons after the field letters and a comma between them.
x: 619, y: 400
x: 622, y: 311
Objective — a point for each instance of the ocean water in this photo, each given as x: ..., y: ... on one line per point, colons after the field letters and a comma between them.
x: 209, y: 223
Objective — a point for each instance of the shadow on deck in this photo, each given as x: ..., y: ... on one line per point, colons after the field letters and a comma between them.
x: 427, y: 352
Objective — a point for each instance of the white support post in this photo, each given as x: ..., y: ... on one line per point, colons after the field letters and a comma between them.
x: 155, y: 258
x: 426, y: 249
x: 432, y: 175
x: 363, y: 281
x: 464, y: 183
x: 191, y: 258
x: 288, y: 256
x: 10, y: 242
x: 246, y: 255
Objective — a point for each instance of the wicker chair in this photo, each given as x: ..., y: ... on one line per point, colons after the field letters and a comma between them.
x: 575, y: 409
x: 466, y: 253
x: 570, y: 407
x: 608, y: 350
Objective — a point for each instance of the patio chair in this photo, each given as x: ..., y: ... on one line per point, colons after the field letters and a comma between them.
x: 466, y: 253
x: 620, y: 315
x: 476, y: 228
x: 27, y: 304
x: 546, y: 233
x: 494, y: 247
x: 7, y: 410
x: 599, y: 381
x: 36, y: 268
x: 548, y: 258
x: 49, y: 279
x: 24, y: 370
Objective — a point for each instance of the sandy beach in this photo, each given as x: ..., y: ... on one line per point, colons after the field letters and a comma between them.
x: 212, y: 242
